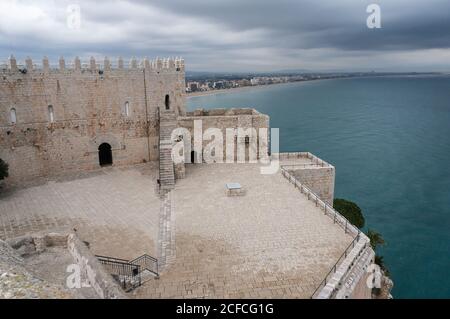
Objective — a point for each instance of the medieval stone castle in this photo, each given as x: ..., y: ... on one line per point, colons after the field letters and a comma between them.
x: 277, y: 236
x: 82, y: 117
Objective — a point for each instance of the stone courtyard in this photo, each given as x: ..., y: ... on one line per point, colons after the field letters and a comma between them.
x: 271, y: 242
x: 116, y: 210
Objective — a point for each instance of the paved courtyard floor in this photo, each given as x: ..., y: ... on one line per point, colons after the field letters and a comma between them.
x: 272, y: 242
x: 116, y: 210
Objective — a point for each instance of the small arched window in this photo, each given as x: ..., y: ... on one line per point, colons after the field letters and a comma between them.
x: 13, y: 116
x: 167, y: 102
x: 51, y: 114
x: 127, y: 109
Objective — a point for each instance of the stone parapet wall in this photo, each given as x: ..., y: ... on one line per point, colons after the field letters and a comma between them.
x: 319, y: 179
x: 349, y: 268
x: 298, y: 155
x: 98, y: 278
x: 62, y: 115
x: 77, y: 66
x: 349, y: 272
x: 233, y: 119
x: 90, y: 268
x: 314, y: 173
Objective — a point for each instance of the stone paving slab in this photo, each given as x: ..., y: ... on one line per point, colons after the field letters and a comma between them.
x: 115, y: 210
x: 270, y: 243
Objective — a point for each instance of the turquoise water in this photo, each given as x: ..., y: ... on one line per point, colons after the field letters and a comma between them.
x: 389, y: 139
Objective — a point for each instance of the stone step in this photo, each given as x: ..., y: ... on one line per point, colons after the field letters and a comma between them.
x: 167, y: 123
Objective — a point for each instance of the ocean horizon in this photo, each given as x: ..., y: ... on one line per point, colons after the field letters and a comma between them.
x: 389, y: 139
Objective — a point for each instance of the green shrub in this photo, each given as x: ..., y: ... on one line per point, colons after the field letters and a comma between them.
x: 349, y: 210
x: 375, y: 238
x: 353, y: 213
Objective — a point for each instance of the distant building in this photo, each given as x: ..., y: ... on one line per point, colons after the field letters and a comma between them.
x: 193, y: 86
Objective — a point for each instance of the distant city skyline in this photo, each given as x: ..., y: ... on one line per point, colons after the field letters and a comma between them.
x: 234, y: 36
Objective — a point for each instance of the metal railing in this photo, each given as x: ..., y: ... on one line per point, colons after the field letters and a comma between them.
x: 126, y: 273
x: 335, y: 266
x: 296, y: 155
x: 147, y: 262
x: 337, y: 219
x: 303, y: 165
x: 328, y: 210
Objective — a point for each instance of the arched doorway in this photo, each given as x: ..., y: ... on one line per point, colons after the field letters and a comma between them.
x: 167, y: 102
x: 105, y: 154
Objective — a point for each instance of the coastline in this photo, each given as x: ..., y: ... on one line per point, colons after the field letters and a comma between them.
x: 246, y: 88
x: 232, y: 90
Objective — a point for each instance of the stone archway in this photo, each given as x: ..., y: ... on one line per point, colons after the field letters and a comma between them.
x: 167, y: 102
x: 105, y: 154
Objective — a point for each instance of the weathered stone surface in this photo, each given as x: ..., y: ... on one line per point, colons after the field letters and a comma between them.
x: 89, y: 109
x: 17, y: 282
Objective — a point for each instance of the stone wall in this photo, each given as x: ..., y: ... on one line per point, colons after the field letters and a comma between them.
x: 16, y: 282
x: 90, y: 268
x: 88, y: 108
x: 319, y: 179
x: 224, y: 119
x: 100, y: 281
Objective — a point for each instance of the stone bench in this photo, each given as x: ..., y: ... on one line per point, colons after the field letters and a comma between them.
x: 234, y: 189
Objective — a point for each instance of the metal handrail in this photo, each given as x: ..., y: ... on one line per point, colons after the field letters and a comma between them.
x: 336, y: 217
x: 302, y: 165
x: 334, y: 268
x: 127, y: 273
x: 112, y: 259
x: 309, y: 155
x: 147, y: 262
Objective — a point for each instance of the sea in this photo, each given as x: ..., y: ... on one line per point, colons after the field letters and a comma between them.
x: 389, y: 139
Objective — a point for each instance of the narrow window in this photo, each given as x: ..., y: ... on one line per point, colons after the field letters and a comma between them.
x: 51, y: 114
x: 127, y: 109
x: 167, y: 102
x: 13, y: 116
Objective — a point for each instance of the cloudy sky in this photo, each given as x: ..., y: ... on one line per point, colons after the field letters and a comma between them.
x: 235, y: 35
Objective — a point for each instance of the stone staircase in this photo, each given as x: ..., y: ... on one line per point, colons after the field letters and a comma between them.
x: 167, y: 123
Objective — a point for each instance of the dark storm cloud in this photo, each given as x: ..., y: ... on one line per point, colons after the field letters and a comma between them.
x: 338, y: 24
x: 237, y: 35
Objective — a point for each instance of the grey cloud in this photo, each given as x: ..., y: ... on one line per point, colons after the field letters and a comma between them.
x: 236, y: 34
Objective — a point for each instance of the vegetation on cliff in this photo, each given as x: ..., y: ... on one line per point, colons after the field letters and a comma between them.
x: 349, y: 210
x: 353, y: 213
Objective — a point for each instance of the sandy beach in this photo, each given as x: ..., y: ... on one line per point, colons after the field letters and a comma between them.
x: 233, y: 90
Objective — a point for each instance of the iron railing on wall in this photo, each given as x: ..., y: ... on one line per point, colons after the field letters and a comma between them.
x: 337, y: 219
x: 335, y: 266
x: 129, y: 272
x: 126, y: 273
x: 147, y: 262
x: 328, y: 209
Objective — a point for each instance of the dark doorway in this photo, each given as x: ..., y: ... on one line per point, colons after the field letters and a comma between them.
x: 167, y: 102
x: 105, y: 154
x: 193, y: 157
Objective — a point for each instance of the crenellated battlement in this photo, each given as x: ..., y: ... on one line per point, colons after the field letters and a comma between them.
x: 12, y: 66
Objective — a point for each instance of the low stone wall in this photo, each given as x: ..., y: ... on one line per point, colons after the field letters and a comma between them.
x: 36, y: 243
x: 293, y: 155
x: 102, y: 282
x: 16, y: 282
x: 350, y: 267
x: 349, y: 272
x: 319, y: 179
